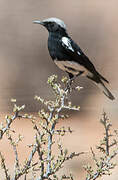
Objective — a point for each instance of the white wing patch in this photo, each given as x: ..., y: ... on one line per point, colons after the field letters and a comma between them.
x: 67, y: 43
x: 78, y: 53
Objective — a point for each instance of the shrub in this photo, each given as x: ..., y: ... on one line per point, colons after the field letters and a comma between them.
x: 46, y: 164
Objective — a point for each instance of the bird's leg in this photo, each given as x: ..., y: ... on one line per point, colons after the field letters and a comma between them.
x: 69, y: 82
x: 68, y: 87
x: 71, y: 79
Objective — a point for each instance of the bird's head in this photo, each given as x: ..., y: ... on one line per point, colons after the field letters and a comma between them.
x: 52, y: 24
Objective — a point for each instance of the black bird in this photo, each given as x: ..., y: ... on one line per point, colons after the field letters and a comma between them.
x: 68, y: 56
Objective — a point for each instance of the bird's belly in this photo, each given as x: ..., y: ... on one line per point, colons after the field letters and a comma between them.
x: 71, y: 67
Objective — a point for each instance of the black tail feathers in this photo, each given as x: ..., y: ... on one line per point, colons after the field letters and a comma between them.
x: 102, y: 78
x: 98, y: 79
x: 105, y: 90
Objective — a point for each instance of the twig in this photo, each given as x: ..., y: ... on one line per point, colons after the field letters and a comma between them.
x: 104, y: 164
x: 3, y: 165
x: 9, y: 122
x: 48, y: 172
x: 27, y: 166
x: 40, y: 153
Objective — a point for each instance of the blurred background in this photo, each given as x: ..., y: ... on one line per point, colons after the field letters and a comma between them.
x: 25, y: 63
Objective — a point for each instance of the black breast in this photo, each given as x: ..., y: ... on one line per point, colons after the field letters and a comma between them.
x: 55, y: 47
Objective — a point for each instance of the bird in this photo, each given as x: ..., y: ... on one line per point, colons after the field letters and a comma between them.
x: 68, y: 56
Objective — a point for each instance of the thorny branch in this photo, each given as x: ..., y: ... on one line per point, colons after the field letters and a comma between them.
x: 45, y: 132
x: 54, y: 108
x: 9, y: 122
x: 3, y: 165
x: 103, y: 163
x: 10, y: 119
x: 42, y: 162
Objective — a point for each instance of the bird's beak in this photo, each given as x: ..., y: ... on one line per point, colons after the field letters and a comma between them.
x: 38, y: 22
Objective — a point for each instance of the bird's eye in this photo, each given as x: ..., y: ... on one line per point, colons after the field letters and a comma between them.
x: 52, y: 26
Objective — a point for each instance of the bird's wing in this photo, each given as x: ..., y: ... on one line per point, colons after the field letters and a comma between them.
x: 72, y: 50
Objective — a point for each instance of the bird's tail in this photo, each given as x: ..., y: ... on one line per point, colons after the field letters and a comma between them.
x: 105, y: 90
